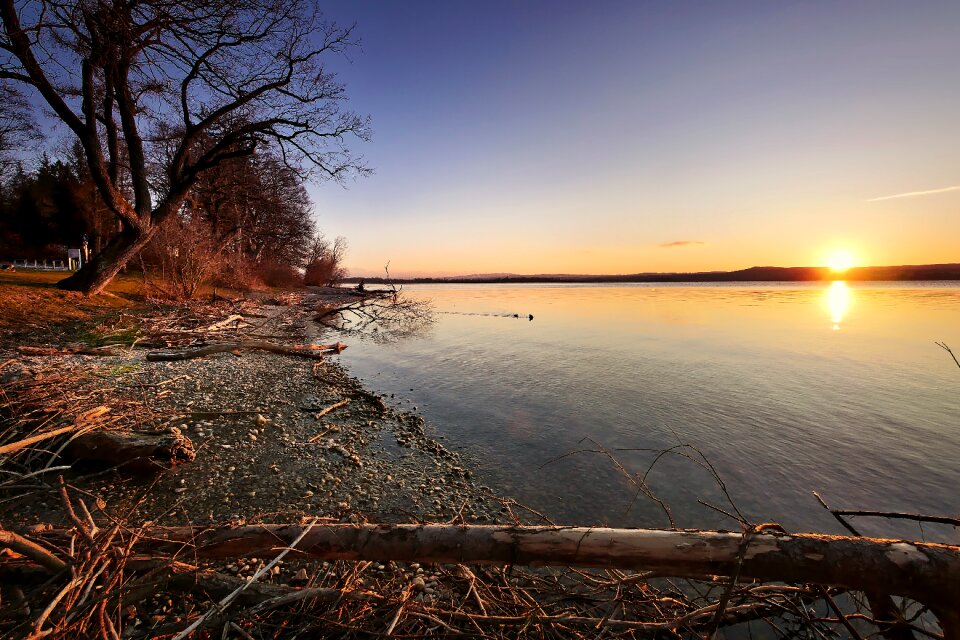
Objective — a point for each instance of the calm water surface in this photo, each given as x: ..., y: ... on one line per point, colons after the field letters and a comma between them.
x: 784, y: 388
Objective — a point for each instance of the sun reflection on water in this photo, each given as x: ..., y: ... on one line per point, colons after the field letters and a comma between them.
x: 838, y: 299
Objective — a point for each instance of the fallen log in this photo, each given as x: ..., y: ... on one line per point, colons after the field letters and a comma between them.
x: 312, y: 351
x: 132, y: 451
x: 926, y: 572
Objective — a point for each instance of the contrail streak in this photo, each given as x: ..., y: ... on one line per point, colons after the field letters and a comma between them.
x: 911, y: 194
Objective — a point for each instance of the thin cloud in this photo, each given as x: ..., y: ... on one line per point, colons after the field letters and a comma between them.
x: 681, y: 243
x: 911, y: 194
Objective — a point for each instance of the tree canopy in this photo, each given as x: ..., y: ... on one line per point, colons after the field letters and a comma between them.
x: 160, y: 93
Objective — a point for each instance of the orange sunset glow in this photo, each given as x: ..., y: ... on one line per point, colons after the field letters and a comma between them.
x: 840, y: 261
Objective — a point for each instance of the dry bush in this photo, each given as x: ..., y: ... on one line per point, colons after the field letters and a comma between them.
x: 277, y: 274
x: 237, y: 272
x: 182, y: 257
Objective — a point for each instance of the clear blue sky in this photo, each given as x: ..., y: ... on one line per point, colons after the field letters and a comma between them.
x: 544, y: 137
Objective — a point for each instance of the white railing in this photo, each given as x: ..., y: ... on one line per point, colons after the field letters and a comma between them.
x: 45, y: 265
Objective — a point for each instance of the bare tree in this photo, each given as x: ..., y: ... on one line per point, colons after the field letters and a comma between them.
x: 16, y: 126
x: 259, y: 207
x: 187, y: 85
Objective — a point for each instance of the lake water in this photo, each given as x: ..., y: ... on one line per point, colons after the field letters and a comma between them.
x: 785, y: 389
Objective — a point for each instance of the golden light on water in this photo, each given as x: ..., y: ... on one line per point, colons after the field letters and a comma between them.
x: 838, y: 302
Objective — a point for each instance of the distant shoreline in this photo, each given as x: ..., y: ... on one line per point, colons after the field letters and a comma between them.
x: 903, y: 273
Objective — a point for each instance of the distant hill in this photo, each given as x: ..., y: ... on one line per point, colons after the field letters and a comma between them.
x: 753, y: 274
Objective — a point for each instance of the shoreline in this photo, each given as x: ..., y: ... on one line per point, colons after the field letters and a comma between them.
x: 291, y: 438
x: 261, y: 451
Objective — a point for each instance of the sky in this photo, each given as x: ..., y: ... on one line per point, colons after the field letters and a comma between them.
x: 623, y: 137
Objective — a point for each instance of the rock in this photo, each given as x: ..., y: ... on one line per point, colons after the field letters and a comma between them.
x: 252, y: 437
x: 261, y: 420
x: 419, y: 584
x: 308, y: 494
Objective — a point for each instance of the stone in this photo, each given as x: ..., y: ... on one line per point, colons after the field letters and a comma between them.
x: 419, y: 584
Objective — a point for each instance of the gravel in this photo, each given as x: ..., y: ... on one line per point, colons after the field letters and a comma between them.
x: 271, y: 459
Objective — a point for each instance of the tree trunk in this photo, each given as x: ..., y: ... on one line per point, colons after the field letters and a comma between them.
x: 94, y: 276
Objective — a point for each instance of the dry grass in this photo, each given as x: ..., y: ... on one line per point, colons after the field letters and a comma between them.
x: 33, y: 309
x: 31, y: 304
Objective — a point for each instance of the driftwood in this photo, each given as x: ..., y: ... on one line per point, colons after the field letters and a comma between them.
x: 331, y: 408
x: 231, y: 322
x: 136, y: 451
x: 312, y: 351
x: 83, y: 421
x: 926, y: 572
x: 920, y: 571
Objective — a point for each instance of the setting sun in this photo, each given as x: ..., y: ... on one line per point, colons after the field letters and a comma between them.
x: 840, y: 261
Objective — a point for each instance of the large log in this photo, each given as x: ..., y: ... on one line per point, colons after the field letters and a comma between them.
x: 926, y: 572
x: 132, y: 451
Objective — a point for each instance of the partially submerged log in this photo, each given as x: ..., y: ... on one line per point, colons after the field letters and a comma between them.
x: 926, y: 572
x: 312, y: 351
x: 133, y: 451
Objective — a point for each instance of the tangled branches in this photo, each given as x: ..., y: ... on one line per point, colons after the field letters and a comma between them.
x: 382, y: 316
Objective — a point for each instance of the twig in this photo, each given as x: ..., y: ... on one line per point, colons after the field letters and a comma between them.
x: 332, y: 408
x: 943, y: 345
x: 836, y: 609
x: 225, y: 602
x: 846, y: 525
x: 917, y: 517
